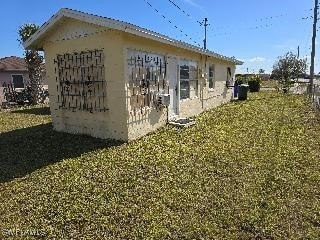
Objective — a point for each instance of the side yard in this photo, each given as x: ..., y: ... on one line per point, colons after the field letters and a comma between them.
x: 246, y: 170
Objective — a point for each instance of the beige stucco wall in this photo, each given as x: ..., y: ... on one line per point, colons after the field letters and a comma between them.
x: 73, y: 36
x: 220, y: 93
x: 209, y: 98
x: 141, y: 124
x: 119, y: 122
x: 6, y: 76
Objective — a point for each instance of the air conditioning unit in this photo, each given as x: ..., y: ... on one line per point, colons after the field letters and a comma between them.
x: 164, y: 99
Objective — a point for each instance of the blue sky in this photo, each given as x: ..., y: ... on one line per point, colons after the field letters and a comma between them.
x: 256, y: 32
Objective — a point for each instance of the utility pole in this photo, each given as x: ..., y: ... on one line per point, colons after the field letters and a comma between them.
x: 205, y: 33
x: 298, y: 52
x: 313, y: 51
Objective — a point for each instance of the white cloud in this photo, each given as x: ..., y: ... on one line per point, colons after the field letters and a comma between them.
x: 257, y: 60
x: 191, y: 2
x: 194, y: 3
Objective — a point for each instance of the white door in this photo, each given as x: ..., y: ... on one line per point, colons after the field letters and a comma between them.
x: 173, y: 86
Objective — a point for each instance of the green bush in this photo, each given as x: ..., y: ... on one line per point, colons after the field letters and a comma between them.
x: 286, y: 85
x: 241, y: 80
x: 254, y: 83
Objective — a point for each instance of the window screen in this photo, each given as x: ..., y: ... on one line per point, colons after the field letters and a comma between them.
x: 188, y: 80
x: 211, y: 76
x: 18, y: 81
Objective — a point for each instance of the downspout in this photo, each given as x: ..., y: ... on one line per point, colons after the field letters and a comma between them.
x: 203, y: 79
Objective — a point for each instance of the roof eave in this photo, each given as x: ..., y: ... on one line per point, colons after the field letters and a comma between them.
x: 33, y: 42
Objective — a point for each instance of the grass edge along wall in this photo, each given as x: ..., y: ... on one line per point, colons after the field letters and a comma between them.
x: 95, y: 90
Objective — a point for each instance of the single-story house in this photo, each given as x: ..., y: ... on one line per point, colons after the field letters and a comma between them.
x: 13, y: 70
x: 112, y: 79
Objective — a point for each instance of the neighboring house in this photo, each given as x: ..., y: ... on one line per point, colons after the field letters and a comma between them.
x: 13, y: 70
x: 112, y: 79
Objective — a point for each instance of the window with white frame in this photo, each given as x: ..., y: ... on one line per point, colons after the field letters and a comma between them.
x: 17, y: 80
x: 188, y: 79
x: 211, y: 76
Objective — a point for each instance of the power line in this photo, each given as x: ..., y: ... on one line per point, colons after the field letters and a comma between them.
x: 257, y: 27
x: 197, y: 33
x: 241, y: 27
x: 185, y: 13
x: 171, y: 22
x: 258, y: 20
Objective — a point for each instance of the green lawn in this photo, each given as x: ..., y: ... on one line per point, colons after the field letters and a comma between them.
x: 246, y: 170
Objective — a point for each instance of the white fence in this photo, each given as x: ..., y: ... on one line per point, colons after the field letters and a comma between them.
x: 316, y: 95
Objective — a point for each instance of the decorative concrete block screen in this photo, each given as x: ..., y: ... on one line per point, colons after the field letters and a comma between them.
x: 81, y: 82
x: 147, y: 74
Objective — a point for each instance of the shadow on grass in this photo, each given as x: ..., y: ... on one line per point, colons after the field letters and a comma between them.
x: 36, y: 111
x: 26, y: 150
